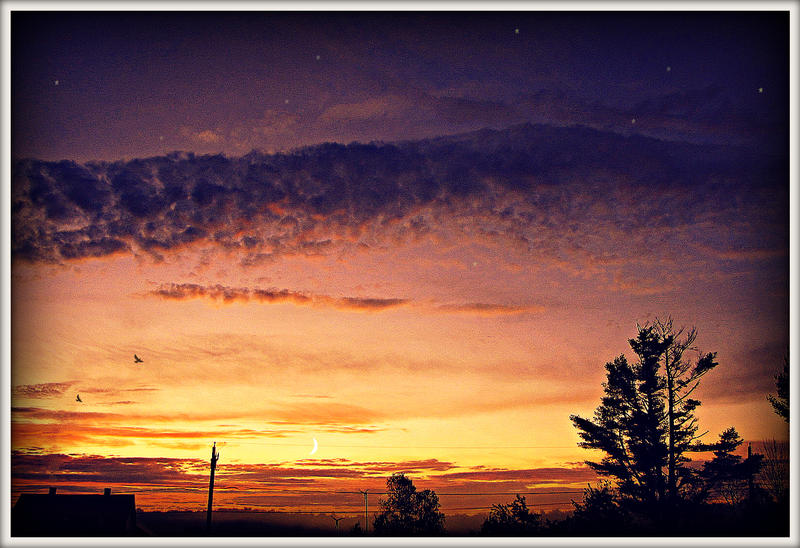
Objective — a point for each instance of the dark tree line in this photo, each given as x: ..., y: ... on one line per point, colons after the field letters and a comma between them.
x: 646, y: 428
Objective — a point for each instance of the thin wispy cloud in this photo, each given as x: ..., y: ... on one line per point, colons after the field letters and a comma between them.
x: 242, y: 294
x: 487, y: 309
x: 44, y: 390
x: 228, y: 295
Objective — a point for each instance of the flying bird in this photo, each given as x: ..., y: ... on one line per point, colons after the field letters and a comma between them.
x: 78, y: 398
x: 137, y: 359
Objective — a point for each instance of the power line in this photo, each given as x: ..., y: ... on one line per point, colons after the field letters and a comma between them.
x: 293, y: 492
x: 358, y: 512
x: 487, y: 447
x: 350, y: 513
x: 299, y: 492
x: 573, y: 492
x: 576, y: 490
x: 565, y: 503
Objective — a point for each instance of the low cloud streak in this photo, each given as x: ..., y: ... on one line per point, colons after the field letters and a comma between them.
x: 44, y: 390
x: 229, y: 295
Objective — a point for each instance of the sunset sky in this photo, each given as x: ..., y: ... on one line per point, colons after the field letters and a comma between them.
x: 415, y: 238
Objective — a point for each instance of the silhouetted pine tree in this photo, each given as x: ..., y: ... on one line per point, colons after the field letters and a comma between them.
x: 629, y: 423
x: 681, y: 378
x: 726, y: 474
x: 645, y: 422
x: 781, y: 402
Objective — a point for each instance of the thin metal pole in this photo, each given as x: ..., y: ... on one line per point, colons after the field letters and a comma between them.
x: 214, y: 457
x: 366, y: 517
x: 750, y: 486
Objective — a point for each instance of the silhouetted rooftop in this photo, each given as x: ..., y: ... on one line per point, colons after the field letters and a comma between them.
x: 74, y: 515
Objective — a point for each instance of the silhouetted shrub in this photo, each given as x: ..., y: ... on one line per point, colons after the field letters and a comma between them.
x: 407, y: 511
x: 512, y: 519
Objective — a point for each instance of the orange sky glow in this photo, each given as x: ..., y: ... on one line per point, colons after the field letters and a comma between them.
x: 459, y: 363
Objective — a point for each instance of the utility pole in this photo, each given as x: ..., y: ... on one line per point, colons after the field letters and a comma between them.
x: 214, y: 458
x: 750, y: 486
x: 366, y: 518
x: 337, y: 520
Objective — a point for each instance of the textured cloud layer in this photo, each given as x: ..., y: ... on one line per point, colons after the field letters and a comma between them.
x: 574, y: 197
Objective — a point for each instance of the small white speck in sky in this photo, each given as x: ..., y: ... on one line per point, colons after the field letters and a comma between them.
x: 633, y: 120
x: 55, y: 83
x: 317, y: 57
x: 286, y: 101
x: 669, y: 69
x: 761, y: 90
x: 516, y: 31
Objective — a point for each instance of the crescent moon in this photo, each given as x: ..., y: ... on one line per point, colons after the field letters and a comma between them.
x: 315, y: 447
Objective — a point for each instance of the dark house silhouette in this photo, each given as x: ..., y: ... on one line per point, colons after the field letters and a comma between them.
x: 50, y: 515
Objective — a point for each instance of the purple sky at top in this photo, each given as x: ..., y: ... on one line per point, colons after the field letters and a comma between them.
x: 123, y: 85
